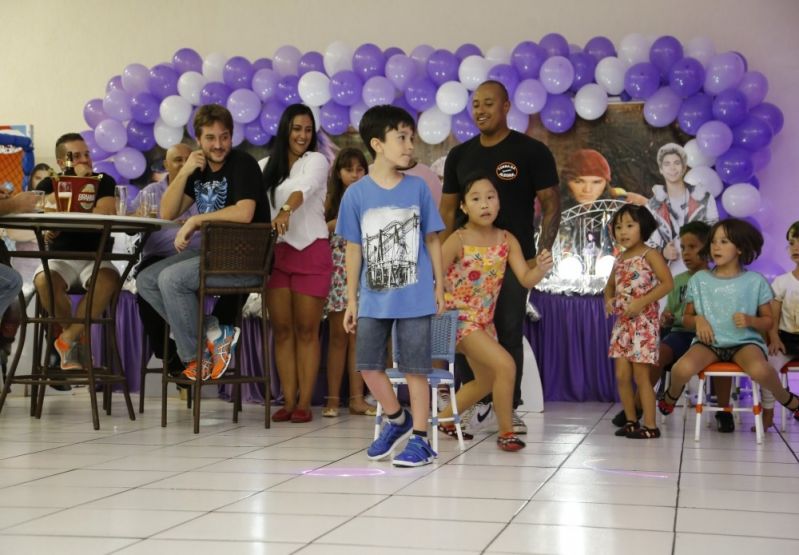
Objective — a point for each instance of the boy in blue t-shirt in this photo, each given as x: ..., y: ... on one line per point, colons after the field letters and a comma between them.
x: 393, y: 260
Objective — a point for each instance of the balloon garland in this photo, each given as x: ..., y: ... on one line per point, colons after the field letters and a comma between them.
x: 711, y: 96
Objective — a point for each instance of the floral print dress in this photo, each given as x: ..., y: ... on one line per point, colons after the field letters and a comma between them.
x: 337, y: 297
x: 475, y: 279
x: 636, y: 338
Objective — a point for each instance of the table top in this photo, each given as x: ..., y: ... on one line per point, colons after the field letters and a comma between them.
x: 83, y: 221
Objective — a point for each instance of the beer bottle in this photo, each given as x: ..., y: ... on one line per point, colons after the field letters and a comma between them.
x: 69, y: 165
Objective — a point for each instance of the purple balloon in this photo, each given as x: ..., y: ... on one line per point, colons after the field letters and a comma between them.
x: 346, y: 88
x: 116, y: 104
x: 584, y: 69
x: 442, y: 66
x: 558, y: 114
x: 642, y: 80
x: 368, y: 60
x: 334, y: 118
x: 662, y: 108
x: 730, y: 107
x: 555, y: 44
x: 261, y: 63
x: 93, y: 112
x: 140, y: 135
x: 144, y: 107
x: 287, y: 90
x: 214, y: 93
x: 421, y: 94
x: 664, y: 53
x: 735, y: 165
x: 600, y: 47
x: 527, y: 58
x: 255, y: 134
x: 237, y: 73
x: 463, y: 126
x: 270, y: 116
x: 378, y: 90
x: 310, y: 61
x: 723, y: 72
x: 761, y: 158
x: 400, y: 102
x: 400, y: 70
x: 754, y: 87
x: 714, y: 138
x: 264, y: 83
x: 752, y: 134
x: 392, y: 51
x: 505, y: 74
x: 115, y: 83
x: 466, y: 50
x: 686, y: 77
x: 695, y: 112
x: 187, y: 59
x: 163, y: 81
x: 770, y: 114
x: 107, y: 167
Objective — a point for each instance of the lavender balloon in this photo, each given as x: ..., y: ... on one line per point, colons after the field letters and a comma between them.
x: 505, y: 74
x: 93, y: 112
x: 130, y: 163
x: 264, y: 83
x: 555, y: 44
x: 642, y: 80
x: 243, y: 105
x: 754, y: 87
x: 310, y: 61
x: 730, y: 107
x: 237, y: 73
x: 664, y: 53
x: 530, y: 96
x: 442, y: 66
x: 335, y: 118
x: 527, y: 58
x: 420, y: 54
x: 714, y: 138
x: 378, y: 90
x: 723, y: 72
x: 96, y: 152
x: 661, y: 108
x: 163, y: 81
x: 558, y: 115
x: 114, y: 83
x: 401, y: 70
x: 110, y: 135
x: 144, y: 108
x: 557, y: 74
x: 346, y: 88
x: 686, y: 77
x: 600, y: 47
x: 214, y: 93
x: 695, y: 112
x: 187, y: 59
x: 368, y: 61
x: 116, y: 105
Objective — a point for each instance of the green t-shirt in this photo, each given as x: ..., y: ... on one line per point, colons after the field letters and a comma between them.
x: 675, y: 302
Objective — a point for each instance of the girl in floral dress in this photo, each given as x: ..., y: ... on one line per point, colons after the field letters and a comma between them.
x: 476, y: 256
x: 348, y: 167
x: 640, y: 278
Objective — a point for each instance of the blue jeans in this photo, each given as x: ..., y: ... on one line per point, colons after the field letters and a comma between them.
x: 10, y: 286
x: 171, y: 286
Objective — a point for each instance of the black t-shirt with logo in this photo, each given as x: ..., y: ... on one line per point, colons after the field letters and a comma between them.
x: 82, y: 240
x: 519, y: 166
x: 238, y: 179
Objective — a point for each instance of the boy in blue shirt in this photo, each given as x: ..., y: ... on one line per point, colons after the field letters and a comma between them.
x: 393, y: 260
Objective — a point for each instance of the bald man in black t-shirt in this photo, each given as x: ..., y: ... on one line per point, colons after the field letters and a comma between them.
x: 521, y: 169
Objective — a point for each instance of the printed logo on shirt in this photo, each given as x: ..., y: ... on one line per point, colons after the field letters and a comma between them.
x: 507, y: 171
x: 210, y: 196
x: 391, y: 247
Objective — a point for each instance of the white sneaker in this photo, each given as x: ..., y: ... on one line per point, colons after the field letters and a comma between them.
x: 519, y: 427
x: 480, y: 418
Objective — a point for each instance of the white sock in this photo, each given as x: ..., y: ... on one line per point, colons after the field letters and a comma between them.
x: 212, y: 331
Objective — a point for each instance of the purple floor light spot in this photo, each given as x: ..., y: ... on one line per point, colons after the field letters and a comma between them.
x: 345, y: 472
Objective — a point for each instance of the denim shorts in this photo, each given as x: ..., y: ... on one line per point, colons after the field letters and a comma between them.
x: 412, y: 348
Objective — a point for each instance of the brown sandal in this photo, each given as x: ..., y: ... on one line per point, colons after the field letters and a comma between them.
x: 627, y: 429
x: 644, y: 433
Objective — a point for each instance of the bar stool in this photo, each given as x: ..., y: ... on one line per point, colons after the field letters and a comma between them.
x: 144, y: 370
x: 727, y: 370
x: 230, y: 249
x: 790, y: 366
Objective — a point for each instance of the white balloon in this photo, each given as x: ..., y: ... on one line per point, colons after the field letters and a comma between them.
x: 696, y: 157
x: 591, y: 102
x: 609, y: 75
x: 741, y: 200
x: 434, y: 126
x: 314, y: 88
x: 316, y: 116
x: 167, y: 135
x: 356, y: 113
x: 498, y: 55
x: 452, y: 97
x: 707, y: 178
x: 190, y: 85
x: 518, y: 120
x: 700, y: 48
x: 175, y: 111
x: 473, y: 71
x: 214, y: 65
x: 338, y: 57
x: 634, y: 49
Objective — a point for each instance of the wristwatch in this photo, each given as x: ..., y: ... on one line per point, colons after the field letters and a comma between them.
x: 286, y: 208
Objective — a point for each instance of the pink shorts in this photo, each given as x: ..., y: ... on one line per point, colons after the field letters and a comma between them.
x: 307, y: 271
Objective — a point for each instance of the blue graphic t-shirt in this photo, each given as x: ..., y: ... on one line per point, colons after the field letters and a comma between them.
x: 390, y: 225
x: 238, y: 179
x: 718, y: 299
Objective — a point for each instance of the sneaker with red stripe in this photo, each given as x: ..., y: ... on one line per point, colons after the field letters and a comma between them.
x: 191, y: 369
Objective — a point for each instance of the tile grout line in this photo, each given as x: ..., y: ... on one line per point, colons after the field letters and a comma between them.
x: 679, y: 481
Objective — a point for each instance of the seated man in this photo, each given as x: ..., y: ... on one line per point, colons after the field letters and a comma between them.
x: 67, y: 274
x: 225, y: 185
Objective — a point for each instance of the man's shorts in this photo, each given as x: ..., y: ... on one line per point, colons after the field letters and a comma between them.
x: 412, y: 350
x: 75, y: 273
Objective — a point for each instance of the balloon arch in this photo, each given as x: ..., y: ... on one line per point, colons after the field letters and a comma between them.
x: 711, y: 96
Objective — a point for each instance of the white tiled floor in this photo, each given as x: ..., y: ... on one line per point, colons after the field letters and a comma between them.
x: 136, y: 488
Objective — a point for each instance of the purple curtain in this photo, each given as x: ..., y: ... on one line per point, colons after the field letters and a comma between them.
x: 570, y: 343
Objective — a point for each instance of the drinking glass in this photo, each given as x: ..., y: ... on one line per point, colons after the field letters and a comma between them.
x: 64, y: 196
x: 121, y: 198
x: 39, y: 201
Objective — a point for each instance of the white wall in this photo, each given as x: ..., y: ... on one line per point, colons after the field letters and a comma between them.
x: 58, y: 54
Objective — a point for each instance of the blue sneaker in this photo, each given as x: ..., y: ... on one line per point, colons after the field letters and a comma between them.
x: 390, y: 436
x: 417, y: 453
x: 222, y: 350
